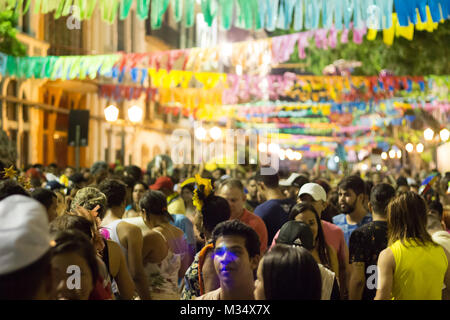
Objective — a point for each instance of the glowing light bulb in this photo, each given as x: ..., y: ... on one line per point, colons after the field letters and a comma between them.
x: 215, y: 133
x: 111, y: 113
x: 200, y: 133
x: 420, y: 148
x: 445, y: 134
x: 135, y: 114
x: 262, y: 147
x: 428, y: 134
x: 409, y: 147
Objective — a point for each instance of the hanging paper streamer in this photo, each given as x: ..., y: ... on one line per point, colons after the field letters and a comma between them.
x: 177, y: 6
x: 423, y: 20
x: 125, y: 7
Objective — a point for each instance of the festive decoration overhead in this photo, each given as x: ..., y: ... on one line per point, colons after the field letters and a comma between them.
x: 267, y: 51
x: 253, y: 14
x: 406, y: 32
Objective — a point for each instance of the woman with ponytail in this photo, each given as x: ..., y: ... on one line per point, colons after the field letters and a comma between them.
x: 211, y: 210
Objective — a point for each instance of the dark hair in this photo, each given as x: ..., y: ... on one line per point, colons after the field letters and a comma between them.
x: 133, y: 171
x: 72, y: 240
x: 354, y: 183
x: 368, y: 187
x: 70, y: 221
x: 300, y: 181
x: 380, y: 196
x: 155, y: 202
x: 237, y: 228
x: 291, y: 273
x: 44, y: 196
x: 407, y: 219
x: 436, y: 206
x: 232, y: 183
x: 270, y: 180
x: 114, y: 190
x: 10, y: 187
x: 98, y: 167
x: 215, y: 209
x: 24, y: 283
x: 133, y: 204
x: 35, y: 182
x: 321, y: 244
x: 402, y: 181
x: 128, y: 180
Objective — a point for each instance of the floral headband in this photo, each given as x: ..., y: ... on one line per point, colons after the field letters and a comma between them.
x: 207, y: 190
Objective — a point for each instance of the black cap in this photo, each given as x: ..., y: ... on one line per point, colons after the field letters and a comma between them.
x: 296, y: 233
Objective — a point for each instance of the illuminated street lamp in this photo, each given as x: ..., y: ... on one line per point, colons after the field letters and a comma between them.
x: 392, y: 154
x: 297, y: 155
x: 200, y: 133
x: 420, y: 148
x: 215, y: 133
x: 274, y: 148
x: 409, y: 147
x: 428, y: 134
x: 290, y: 154
x: 399, y: 154
x: 444, y: 134
x: 111, y: 113
x: 135, y: 114
x: 262, y: 147
x: 282, y: 154
x: 384, y: 156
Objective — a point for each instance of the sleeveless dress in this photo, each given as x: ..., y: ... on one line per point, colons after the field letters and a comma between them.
x: 163, y: 277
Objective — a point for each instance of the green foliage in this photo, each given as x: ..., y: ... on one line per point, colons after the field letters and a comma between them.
x: 8, y: 150
x: 428, y: 53
x: 8, y: 43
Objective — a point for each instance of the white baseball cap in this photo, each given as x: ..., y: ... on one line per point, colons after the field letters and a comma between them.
x: 24, y: 232
x: 288, y: 182
x: 314, y: 190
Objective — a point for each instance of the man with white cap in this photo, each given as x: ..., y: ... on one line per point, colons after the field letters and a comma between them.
x: 291, y: 186
x: 315, y: 194
x: 334, y: 236
x: 25, y: 265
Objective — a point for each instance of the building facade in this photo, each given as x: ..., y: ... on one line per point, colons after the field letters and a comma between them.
x: 35, y: 112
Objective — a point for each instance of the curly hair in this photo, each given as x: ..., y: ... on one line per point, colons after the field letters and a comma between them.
x: 89, y: 198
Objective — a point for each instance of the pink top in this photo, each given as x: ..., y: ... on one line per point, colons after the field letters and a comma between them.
x: 334, y: 236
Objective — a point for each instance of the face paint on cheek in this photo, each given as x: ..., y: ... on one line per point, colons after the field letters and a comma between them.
x: 225, y: 257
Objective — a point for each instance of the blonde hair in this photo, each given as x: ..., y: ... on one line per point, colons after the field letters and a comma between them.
x: 407, y: 220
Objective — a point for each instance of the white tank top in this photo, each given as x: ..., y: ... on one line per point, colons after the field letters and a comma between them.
x: 112, y: 228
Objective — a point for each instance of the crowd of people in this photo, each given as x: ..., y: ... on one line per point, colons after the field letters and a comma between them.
x: 108, y: 233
